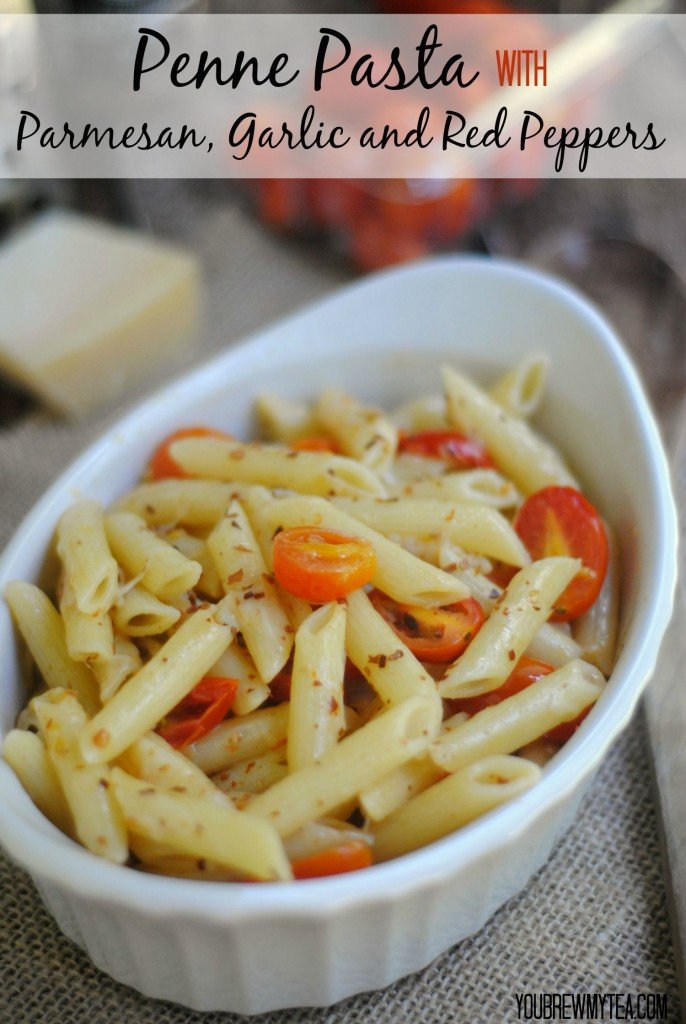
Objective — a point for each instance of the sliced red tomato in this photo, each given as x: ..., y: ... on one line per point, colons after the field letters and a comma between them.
x: 280, y: 687
x: 204, y: 707
x: 560, y: 521
x: 321, y: 566
x: 315, y: 443
x: 349, y: 856
x: 434, y: 635
x: 162, y: 465
x: 526, y: 672
x: 458, y: 451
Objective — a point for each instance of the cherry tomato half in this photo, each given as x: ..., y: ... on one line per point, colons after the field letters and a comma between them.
x: 458, y: 451
x: 349, y: 856
x: 560, y: 521
x: 321, y: 566
x: 432, y: 634
x: 204, y: 707
x: 526, y: 672
x: 163, y: 466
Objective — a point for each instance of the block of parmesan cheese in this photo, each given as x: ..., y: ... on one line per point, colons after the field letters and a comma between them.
x: 87, y: 308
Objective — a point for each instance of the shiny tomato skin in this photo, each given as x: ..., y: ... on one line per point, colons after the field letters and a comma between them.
x: 433, y: 635
x: 199, y: 712
x: 458, y: 451
x: 320, y: 565
x: 349, y: 856
x: 560, y: 521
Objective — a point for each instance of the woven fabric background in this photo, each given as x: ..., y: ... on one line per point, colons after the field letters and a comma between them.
x: 594, y: 918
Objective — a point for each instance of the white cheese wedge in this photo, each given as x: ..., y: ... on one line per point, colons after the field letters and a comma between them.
x: 87, y: 308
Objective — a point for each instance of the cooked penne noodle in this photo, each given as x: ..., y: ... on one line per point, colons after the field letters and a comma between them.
x: 195, y: 503
x: 398, y: 573
x: 525, y: 606
x: 317, y: 717
x: 140, y: 613
x: 347, y: 768
x: 387, y: 664
x: 27, y: 757
x: 452, y: 803
x: 42, y: 628
x: 238, y: 739
x: 97, y: 819
x: 197, y: 550
x: 157, y: 687
x: 253, y: 775
x: 522, y: 718
x: 317, y: 836
x: 400, y: 785
x: 425, y: 413
x: 518, y: 452
x: 112, y: 674
x: 263, y: 623
x: 475, y: 528
x: 236, y: 663
x: 282, y: 419
x: 520, y: 390
x: 151, y: 758
x: 596, y: 631
x: 484, y: 487
x: 89, y: 637
x: 163, y: 570
x: 200, y: 827
x: 88, y: 563
x: 361, y: 432
x: 274, y: 466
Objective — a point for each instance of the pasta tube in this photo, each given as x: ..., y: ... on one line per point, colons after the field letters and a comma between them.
x: 484, y: 487
x: 97, y: 820
x: 89, y: 637
x: 156, y: 688
x: 254, y: 775
x: 201, y: 828
x: 349, y: 767
x: 236, y: 663
x: 317, y: 718
x: 361, y: 432
x: 517, y: 451
x: 514, y: 622
x: 596, y: 631
x: 195, y: 503
x: 42, y: 628
x: 26, y: 756
x: 521, y: 389
x: 475, y: 528
x: 282, y: 419
x: 452, y: 803
x: 274, y: 466
x: 88, y: 563
x: 163, y: 570
x: 265, y: 627
x: 522, y: 718
x: 140, y: 613
x: 238, y: 739
x: 427, y: 412
x: 151, y: 758
x: 111, y: 674
x: 398, y: 573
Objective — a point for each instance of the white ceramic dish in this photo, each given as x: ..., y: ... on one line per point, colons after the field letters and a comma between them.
x: 206, y: 945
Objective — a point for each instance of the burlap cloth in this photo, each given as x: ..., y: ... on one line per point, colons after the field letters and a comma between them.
x: 594, y: 918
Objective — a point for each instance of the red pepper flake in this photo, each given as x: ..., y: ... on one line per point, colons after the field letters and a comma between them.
x: 235, y: 577
x: 237, y: 454
x: 101, y: 738
x: 511, y: 655
x: 398, y: 654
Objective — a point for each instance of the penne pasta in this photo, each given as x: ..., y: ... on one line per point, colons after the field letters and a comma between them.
x: 200, y: 827
x: 485, y: 487
x: 163, y: 570
x: 317, y: 718
x: 239, y: 739
x: 27, y: 757
x: 274, y: 466
x: 363, y: 433
x: 140, y: 613
x: 42, y: 628
x: 348, y: 767
x: 157, y: 687
x: 89, y: 637
x: 253, y: 775
x: 193, y: 503
x: 197, y: 550
x: 235, y: 663
x: 475, y: 528
x: 88, y: 563
x: 596, y: 631
x: 525, y: 606
x: 452, y: 803
x: 521, y: 718
x: 262, y: 621
x: 398, y: 573
x: 521, y: 389
x: 425, y: 413
x: 518, y: 452
x: 152, y: 759
x: 281, y: 419
x: 111, y: 674
x: 97, y: 820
